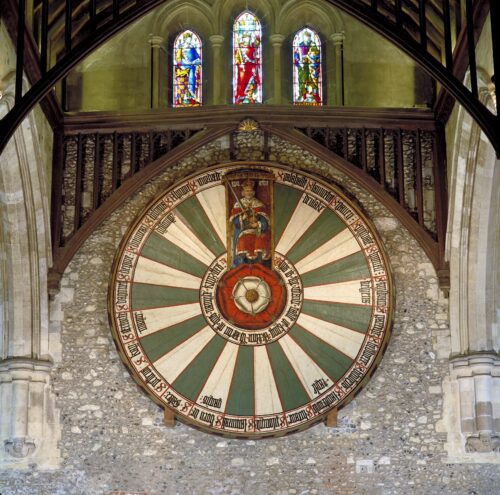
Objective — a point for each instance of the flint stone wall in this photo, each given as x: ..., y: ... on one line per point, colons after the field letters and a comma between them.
x: 388, y: 440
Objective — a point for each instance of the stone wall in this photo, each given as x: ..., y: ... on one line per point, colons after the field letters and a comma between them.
x: 389, y: 438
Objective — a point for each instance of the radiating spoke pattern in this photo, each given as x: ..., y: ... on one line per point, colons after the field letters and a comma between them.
x: 251, y: 381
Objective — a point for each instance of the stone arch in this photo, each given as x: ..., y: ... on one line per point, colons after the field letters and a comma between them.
x: 472, y: 234
x: 320, y: 16
x: 226, y: 12
x: 25, y: 359
x: 172, y: 19
x: 471, y: 396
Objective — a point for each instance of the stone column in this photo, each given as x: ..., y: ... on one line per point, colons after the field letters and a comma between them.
x: 29, y: 428
x: 478, y: 377
x: 277, y: 42
x: 156, y: 43
x: 335, y: 61
x: 216, y: 41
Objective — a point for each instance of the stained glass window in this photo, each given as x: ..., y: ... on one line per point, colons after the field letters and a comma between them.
x: 247, y: 59
x: 187, y: 70
x: 307, y: 77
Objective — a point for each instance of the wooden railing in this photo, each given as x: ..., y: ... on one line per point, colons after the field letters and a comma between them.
x: 425, y: 29
x: 395, y: 155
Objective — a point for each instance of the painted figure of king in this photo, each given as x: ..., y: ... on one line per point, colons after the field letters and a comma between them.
x: 251, y: 242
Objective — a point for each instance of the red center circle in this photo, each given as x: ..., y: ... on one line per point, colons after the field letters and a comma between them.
x: 234, y: 315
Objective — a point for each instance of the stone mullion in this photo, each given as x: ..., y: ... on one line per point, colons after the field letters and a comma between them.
x: 216, y: 41
x: 335, y: 94
x: 156, y: 43
x: 277, y: 42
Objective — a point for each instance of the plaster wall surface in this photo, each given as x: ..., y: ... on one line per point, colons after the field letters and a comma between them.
x: 117, y: 76
x: 389, y: 439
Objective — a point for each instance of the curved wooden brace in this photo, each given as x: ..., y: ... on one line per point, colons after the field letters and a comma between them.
x: 486, y: 120
x: 430, y: 247
x: 63, y: 255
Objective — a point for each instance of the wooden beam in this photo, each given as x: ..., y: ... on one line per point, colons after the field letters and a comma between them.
x: 331, y: 418
x: 367, y: 182
x: 32, y: 68
x: 445, y: 102
x: 131, y: 187
x: 201, y: 117
x: 169, y: 418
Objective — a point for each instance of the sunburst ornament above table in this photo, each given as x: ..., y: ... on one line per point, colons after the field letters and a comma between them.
x: 251, y: 299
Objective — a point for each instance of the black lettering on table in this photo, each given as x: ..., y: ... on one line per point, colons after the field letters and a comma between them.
x: 295, y: 179
x: 121, y: 293
x: 133, y: 349
x: 366, y: 291
x: 344, y: 210
x: 319, y: 385
x: 314, y: 203
x: 207, y: 418
x: 235, y: 424
x: 292, y: 313
x: 140, y: 322
x: 283, y: 266
x: 363, y: 233
x: 163, y: 226
x: 210, y: 401
x: 322, y: 192
x: 207, y: 178
x: 211, y: 281
x: 376, y: 261
x: 207, y: 300
x: 369, y: 351
x: 296, y: 417
x: 267, y: 423
x: 172, y: 400
x: 156, y: 211
x: 194, y: 412
x: 296, y: 295
x: 325, y: 402
x: 180, y: 192
x: 138, y: 237
x: 150, y: 377
x: 381, y: 292
x: 354, y: 376
x: 123, y: 323
x: 214, y: 318
x: 378, y: 325
x: 277, y: 329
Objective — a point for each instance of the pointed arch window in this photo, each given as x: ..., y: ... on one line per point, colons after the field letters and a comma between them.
x: 187, y: 70
x: 247, y: 59
x: 307, y: 74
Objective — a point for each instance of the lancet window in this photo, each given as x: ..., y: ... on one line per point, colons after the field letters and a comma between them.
x: 247, y: 59
x: 307, y: 74
x: 187, y: 80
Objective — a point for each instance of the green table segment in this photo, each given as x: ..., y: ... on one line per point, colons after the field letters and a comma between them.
x: 251, y: 299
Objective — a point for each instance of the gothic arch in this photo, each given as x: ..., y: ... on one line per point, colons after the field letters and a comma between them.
x: 26, y: 354
x: 318, y: 15
x: 472, y: 234
x: 176, y: 16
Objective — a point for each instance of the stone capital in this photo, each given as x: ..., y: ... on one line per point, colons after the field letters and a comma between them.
x: 276, y: 39
x: 216, y: 40
x: 337, y: 38
x: 156, y: 41
x: 480, y: 363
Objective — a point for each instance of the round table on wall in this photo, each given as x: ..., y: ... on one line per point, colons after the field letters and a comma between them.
x: 251, y: 299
